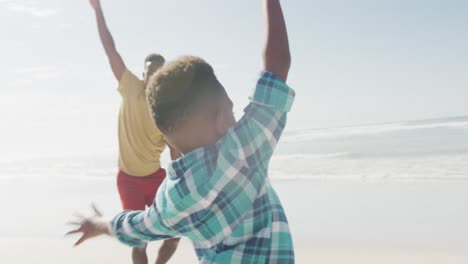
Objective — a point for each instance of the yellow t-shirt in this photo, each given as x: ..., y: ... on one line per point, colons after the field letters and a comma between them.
x: 140, y: 141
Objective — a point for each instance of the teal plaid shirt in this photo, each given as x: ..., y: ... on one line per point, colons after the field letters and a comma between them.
x: 219, y: 196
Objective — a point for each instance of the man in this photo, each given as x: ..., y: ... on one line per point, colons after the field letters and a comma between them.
x: 218, y: 194
x: 140, y: 141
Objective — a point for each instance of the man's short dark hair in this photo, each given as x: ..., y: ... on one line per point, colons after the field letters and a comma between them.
x: 151, y: 58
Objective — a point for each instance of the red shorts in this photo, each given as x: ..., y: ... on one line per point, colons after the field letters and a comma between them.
x: 138, y: 192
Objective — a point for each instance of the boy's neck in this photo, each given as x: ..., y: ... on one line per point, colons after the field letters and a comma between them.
x: 193, y: 141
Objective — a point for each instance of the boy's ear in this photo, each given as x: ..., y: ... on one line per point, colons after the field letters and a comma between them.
x: 221, y: 124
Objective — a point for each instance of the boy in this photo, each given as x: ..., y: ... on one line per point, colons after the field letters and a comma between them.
x: 140, y: 141
x: 218, y: 193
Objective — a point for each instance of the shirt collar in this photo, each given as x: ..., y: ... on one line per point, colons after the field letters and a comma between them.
x: 178, y: 167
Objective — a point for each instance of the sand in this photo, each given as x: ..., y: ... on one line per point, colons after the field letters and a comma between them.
x: 331, y: 222
x: 59, y: 251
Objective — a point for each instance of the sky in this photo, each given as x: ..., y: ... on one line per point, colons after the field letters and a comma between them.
x: 354, y: 62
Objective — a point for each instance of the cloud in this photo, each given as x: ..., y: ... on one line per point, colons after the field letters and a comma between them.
x: 65, y: 26
x: 41, y: 73
x: 29, y: 76
x: 29, y: 8
x: 21, y: 83
x: 222, y: 66
x: 35, y: 26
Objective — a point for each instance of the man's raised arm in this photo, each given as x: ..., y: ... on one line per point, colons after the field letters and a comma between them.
x: 115, y: 60
x: 276, y: 54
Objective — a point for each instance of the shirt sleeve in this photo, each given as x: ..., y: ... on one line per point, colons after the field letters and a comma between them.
x: 272, y: 92
x: 136, y: 228
x: 259, y: 130
x: 130, y: 84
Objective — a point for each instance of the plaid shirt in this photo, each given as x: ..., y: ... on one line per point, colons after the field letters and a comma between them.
x: 219, y: 196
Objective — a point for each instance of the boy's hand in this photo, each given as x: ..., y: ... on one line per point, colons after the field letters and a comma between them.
x: 95, y: 3
x: 276, y: 54
x: 90, y: 226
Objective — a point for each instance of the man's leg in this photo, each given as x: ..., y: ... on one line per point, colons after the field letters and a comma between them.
x: 169, y: 246
x: 139, y: 255
x: 131, y: 190
x: 167, y: 250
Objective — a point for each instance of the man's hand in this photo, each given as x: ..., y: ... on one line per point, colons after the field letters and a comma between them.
x: 89, y: 226
x: 95, y: 3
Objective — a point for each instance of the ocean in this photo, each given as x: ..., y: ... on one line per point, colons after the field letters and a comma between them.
x: 385, y: 179
x: 424, y: 150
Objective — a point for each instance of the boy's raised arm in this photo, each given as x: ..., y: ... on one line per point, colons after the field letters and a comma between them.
x: 276, y: 54
x: 115, y: 60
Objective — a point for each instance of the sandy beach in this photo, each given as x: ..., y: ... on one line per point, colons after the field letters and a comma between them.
x: 104, y: 251
x: 331, y: 222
